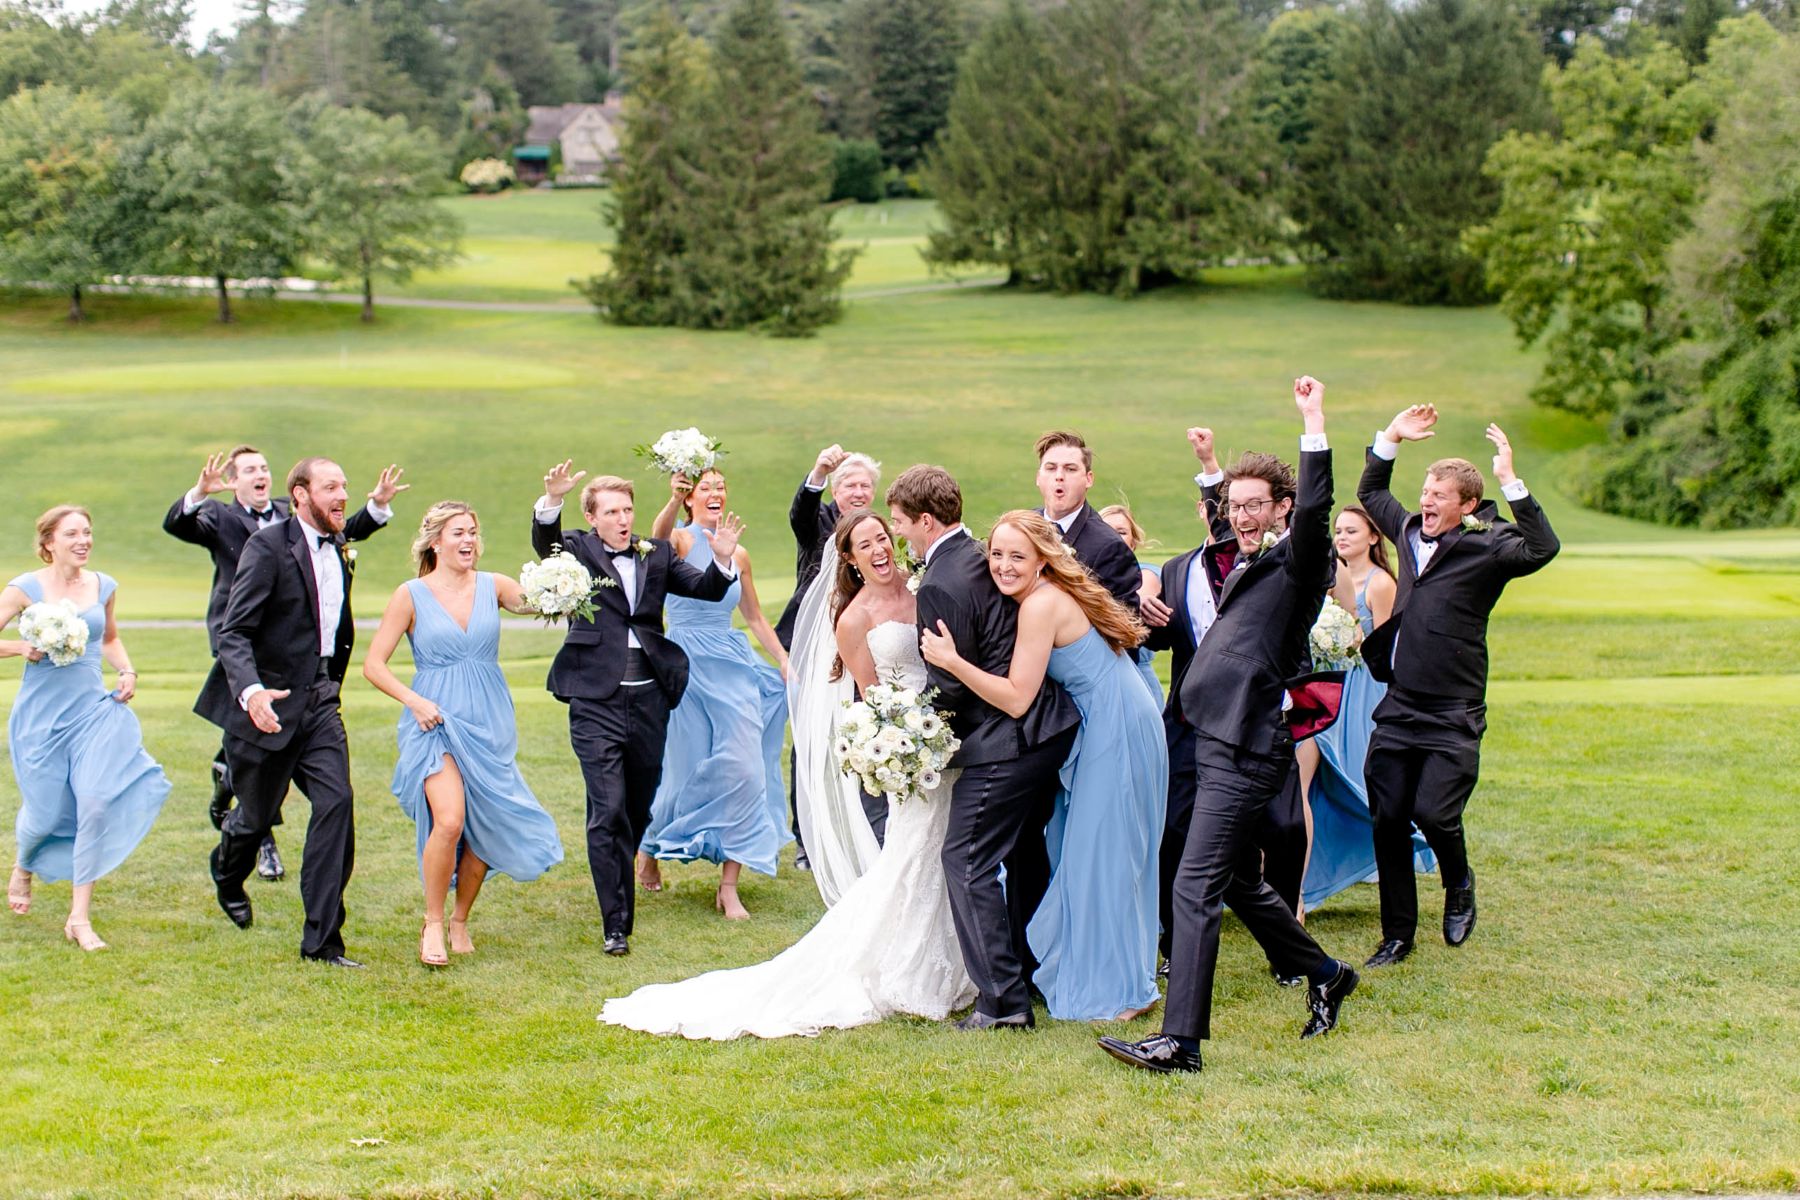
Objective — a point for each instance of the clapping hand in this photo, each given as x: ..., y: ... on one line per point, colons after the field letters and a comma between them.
x: 388, y: 486
x: 212, y: 475
x: 725, y: 542
x: 1413, y: 424
x: 1503, y: 456
x: 558, y: 482
x: 262, y: 709
x: 938, y: 647
x: 426, y: 714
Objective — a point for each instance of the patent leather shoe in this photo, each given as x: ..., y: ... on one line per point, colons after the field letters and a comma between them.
x: 232, y: 897
x: 1388, y: 953
x: 221, y: 797
x: 335, y: 960
x: 616, y: 945
x: 1161, y: 1053
x: 980, y: 1020
x: 1459, y: 913
x: 1326, y: 998
x: 268, y: 861
x: 1285, y: 980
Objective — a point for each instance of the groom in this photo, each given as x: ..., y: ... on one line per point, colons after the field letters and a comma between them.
x: 1002, y: 800
x: 617, y: 672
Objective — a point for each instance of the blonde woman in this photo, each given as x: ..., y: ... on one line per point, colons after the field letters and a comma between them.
x: 88, y: 793
x: 1119, y: 517
x: 457, y: 776
x: 1094, y: 933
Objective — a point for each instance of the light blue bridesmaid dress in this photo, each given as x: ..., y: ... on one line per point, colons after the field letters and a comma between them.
x: 722, y: 797
x: 1146, y: 657
x: 459, y: 671
x: 1095, y: 932
x: 88, y: 791
x: 1343, y: 845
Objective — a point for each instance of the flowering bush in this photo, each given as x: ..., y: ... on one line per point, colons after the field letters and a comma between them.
x: 895, y: 742
x: 486, y: 175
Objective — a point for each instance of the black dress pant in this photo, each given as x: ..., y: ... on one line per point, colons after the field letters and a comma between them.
x: 619, y: 743
x: 317, y: 761
x: 1222, y: 865
x: 1176, y: 819
x: 1282, y: 838
x: 997, y: 816
x: 876, y: 809
x: 1424, y: 759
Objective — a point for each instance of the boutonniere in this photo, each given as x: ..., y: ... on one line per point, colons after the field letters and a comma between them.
x: 349, y: 553
x: 1474, y: 525
x: 644, y: 546
x: 913, y: 582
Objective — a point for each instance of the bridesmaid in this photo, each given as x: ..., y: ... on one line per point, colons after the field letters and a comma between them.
x: 1149, y: 587
x: 88, y: 793
x: 722, y: 797
x: 1095, y: 931
x: 457, y: 775
x: 1340, y: 829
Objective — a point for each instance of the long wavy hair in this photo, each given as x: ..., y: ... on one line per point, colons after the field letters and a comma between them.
x: 1120, y: 628
x: 431, y: 528
x: 1378, y: 552
x: 849, y: 581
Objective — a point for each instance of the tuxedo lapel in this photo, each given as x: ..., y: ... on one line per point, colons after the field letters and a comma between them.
x: 1175, y: 581
x: 1445, y: 543
x: 1240, y: 571
x: 300, y: 547
x: 607, y: 569
x: 643, y: 574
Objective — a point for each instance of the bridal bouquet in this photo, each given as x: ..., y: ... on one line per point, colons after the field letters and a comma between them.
x: 682, y: 452
x: 560, y: 586
x: 55, y: 628
x: 1336, y: 638
x: 895, y: 742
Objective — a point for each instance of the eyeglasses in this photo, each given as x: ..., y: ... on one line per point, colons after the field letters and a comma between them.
x: 1251, y: 507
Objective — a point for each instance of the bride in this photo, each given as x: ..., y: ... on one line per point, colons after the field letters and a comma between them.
x: 887, y: 946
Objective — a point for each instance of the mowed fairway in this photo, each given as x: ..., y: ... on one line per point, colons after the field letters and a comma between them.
x: 1624, y: 1019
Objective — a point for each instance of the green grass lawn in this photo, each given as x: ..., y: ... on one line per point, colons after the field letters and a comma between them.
x: 527, y: 245
x: 1623, y: 1021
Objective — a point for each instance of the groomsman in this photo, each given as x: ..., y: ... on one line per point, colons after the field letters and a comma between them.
x: 1456, y: 556
x: 1233, y: 696
x: 283, y: 647
x: 222, y: 528
x: 813, y: 519
x: 1065, y: 474
x: 617, y: 672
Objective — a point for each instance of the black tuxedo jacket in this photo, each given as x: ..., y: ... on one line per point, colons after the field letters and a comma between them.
x: 1440, y: 617
x: 1177, y: 637
x: 223, y: 528
x: 958, y: 590
x: 813, y: 522
x: 591, y: 663
x: 270, y: 634
x: 1232, y: 689
x: 1106, y: 556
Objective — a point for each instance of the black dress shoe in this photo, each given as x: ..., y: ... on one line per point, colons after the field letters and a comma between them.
x: 616, y: 945
x: 221, y: 797
x: 1162, y: 972
x: 268, y: 860
x: 1388, y: 953
x: 335, y: 960
x: 232, y: 897
x: 1326, y: 998
x: 1459, y: 913
x: 1285, y: 980
x: 1161, y: 1053
x: 980, y: 1020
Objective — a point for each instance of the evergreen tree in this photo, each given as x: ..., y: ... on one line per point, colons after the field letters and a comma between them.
x: 900, y: 63
x: 1392, y: 173
x: 371, y: 205
x: 60, y: 221
x: 519, y: 38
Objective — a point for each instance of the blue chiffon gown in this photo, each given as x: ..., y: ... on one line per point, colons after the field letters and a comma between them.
x: 1146, y: 657
x: 1095, y: 932
x: 88, y: 792
x: 722, y: 798
x: 459, y: 671
x: 1343, y: 845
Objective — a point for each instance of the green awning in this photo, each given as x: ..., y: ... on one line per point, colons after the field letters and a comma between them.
x: 542, y: 152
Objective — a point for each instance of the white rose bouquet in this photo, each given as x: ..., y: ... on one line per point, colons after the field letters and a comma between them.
x: 55, y: 628
x: 560, y: 586
x: 896, y: 742
x: 682, y: 452
x: 1336, y: 638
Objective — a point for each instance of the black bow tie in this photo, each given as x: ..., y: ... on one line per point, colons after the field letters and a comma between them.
x: 1428, y: 539
x: 627, y: 552
x: 263, y: 516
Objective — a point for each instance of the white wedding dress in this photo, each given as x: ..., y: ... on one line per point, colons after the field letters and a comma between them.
x: 888, y: 946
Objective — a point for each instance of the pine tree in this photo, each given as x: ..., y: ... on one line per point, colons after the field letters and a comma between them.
x: 1392, y: 173
x: 900, y: 56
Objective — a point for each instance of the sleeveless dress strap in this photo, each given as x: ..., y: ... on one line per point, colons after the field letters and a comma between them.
x: 108, y: 585
x: 28, y: 583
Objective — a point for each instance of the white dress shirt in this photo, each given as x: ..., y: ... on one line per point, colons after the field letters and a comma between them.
x: 944, y: 537
x: 328, y: 578
x: 1063, y: 523
x: 1201, y: 611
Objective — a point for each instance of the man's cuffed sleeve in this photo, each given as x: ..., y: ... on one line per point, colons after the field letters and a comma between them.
x: 1313, y: 443
x: 1209, y: 479
x: 547, y: 511
x: 381, y: 514
x: 1384, y: 448
x: 244, y: 696
x: 1515, y: 491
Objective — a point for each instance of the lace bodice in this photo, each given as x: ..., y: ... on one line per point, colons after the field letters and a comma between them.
x: 895, y: 647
